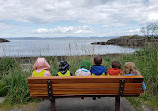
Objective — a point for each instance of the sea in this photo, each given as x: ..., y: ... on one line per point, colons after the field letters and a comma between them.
x: 61, y: 46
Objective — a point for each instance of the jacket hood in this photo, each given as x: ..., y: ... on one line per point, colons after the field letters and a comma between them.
x: 63, y: 67
x: 114, y: 71
x: 85, y: 64
x: 98, y: 70
x: 41, y: 64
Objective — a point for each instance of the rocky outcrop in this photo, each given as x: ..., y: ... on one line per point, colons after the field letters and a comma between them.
x: 4, y: 40
x: 129, y: 41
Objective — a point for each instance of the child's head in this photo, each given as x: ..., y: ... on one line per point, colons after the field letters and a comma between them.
x: 98, y: 60
x: 41, y: 64
x: 129, y: 68
x: 63, y: 67
x: 85, y: 64
x: 116, y: 64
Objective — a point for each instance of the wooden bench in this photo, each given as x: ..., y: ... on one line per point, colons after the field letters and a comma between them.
x: 85, y: 86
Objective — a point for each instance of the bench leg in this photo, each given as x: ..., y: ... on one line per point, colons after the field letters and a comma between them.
x: 117, y: 103
x: 53, y: 105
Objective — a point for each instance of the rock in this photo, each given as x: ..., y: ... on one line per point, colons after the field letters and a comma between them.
x: 4, y: 40
x: 99, y: 43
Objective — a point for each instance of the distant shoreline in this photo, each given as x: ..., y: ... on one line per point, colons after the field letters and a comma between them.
x: 134, y: 41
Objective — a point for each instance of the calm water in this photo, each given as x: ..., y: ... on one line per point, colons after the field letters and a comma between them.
x: 58, y: 47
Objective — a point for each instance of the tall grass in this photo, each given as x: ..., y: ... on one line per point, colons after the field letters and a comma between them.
x: 14, y: 82
x: 6, y: 64
x: 17, y: 85
x: 146, y: 60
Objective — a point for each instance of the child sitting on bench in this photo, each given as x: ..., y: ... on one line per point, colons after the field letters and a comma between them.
x: 63, y: 69
x: 130, y: 70
x: 41, y: 68
x: 84, y: 69
x: 98, y: 69
x: 115, y: 69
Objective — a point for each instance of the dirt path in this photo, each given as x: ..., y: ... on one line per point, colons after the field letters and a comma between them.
x: 87, y: 104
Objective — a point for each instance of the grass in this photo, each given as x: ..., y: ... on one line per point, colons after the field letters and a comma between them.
x: 16, y: 82
x: 15, y: 78
x: 146, y: 60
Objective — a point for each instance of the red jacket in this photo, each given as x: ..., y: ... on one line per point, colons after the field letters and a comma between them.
x: 114, y: 72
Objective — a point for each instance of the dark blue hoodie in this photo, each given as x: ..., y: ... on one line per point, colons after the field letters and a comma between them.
x: 98, y: 70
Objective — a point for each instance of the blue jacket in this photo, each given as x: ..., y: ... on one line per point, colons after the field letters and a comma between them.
x: 98, y: 70
x: 143, y: 84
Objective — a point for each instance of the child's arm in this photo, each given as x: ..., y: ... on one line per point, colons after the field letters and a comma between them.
x: 91, y: 70
x: 47, y: 73
x: 104, y: 70
x: 77, y: 73
x: 70, y: 74
x: 143, y: 86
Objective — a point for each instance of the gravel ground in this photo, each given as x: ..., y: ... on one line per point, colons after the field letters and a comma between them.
x: 86, y: 104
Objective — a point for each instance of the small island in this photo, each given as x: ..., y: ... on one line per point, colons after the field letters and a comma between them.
x: 4, y: 40
x: 129, y: 41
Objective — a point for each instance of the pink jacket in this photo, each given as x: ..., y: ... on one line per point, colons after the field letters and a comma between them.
x: 42, y: 64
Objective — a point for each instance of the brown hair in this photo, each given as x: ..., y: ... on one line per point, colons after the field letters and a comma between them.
x: 116, y: 64
x: 130, y: 67
x: 97, y: 60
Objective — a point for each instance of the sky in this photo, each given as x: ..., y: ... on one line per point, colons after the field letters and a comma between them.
x: 75, y: 18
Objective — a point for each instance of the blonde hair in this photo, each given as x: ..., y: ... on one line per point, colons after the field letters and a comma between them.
x: 129, y: 68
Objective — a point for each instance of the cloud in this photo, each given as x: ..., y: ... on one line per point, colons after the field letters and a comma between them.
x: 64, y: 30
x: 152, y: 17
x: 134, y: 30
x: 96, y: 11
x: 105, y: 13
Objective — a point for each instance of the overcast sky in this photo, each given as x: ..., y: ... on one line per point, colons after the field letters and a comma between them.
x: 79, y: 18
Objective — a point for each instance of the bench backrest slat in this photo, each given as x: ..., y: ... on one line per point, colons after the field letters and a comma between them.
x: 85, y: 85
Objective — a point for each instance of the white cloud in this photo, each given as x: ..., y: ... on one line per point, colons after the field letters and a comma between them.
x: 63, y: 30
x: 134, y: 30
x: 41, y: 30
x: 153, y: 17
